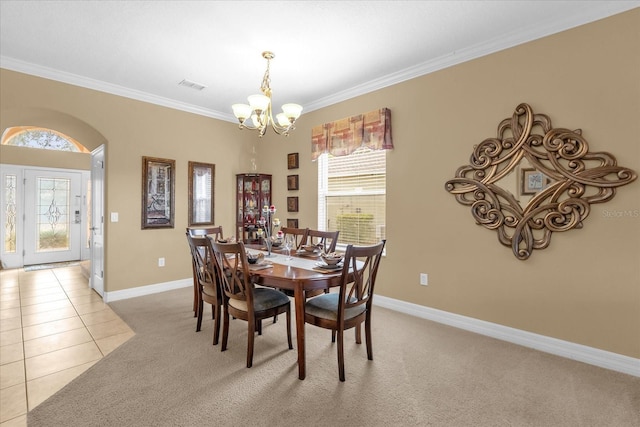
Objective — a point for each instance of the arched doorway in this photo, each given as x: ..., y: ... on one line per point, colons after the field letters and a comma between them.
x: 44, y: 209
x: 57, y: 170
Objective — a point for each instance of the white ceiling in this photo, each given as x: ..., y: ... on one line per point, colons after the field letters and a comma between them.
x: 326, y: 51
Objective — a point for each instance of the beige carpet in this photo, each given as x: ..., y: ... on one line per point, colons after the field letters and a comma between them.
x: 423, y: 374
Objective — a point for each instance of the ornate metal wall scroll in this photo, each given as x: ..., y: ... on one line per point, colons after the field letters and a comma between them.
x: 570, y: 179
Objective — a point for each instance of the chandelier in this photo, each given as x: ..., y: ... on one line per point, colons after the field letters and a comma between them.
x: 259, y: 109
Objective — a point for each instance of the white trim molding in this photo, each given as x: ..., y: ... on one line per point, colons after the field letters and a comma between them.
x: 146, y: 290
x: 581, y: 353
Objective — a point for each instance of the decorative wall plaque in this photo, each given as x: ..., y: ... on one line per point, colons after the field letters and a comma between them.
x: 574, y: 180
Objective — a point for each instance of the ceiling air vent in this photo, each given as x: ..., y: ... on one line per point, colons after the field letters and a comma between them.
x: 192, y: 85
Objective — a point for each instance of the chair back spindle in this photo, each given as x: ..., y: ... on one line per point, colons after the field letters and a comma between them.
x: 206, y: 279
x: 215, y: 232
x: 300, y: 235
x: 232, y: 268
x: 327, y: 240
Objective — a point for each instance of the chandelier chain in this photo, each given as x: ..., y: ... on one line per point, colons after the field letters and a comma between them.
x: 266, y: 80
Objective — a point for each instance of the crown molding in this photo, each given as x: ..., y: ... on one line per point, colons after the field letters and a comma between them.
x: 98, y: 85
x: 505, y: 41
x: 524, y: 35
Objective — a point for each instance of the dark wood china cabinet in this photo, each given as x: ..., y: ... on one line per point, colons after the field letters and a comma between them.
x: 253, y: 191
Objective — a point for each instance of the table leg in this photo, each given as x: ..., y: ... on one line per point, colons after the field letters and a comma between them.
x: 298, y: 296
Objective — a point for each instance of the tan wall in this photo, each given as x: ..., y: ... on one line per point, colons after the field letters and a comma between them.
x: 20, y: 113
x: 131, y: 129
x: 44, y: 158
x: 585, y: 288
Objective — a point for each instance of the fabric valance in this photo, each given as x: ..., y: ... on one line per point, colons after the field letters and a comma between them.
x: 340, y: 138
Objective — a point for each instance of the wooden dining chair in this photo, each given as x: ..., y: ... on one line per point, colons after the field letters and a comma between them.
x: 244, y: 301
x: 352, y: 305
x: 215, y: 232
x: 300, y: 235
x: 326, y: 239
x: 208, y: 282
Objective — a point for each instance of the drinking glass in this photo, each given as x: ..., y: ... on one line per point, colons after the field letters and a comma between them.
x: 289, y: 243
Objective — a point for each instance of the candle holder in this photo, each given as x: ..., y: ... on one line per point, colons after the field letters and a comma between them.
x: 269, y: 223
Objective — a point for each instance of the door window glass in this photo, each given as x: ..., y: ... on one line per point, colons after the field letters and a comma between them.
x: 52, y: 228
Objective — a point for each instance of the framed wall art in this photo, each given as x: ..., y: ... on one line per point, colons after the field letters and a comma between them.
x: 201, y: 193
x: 158, y: 192
x: 292, y: 222
x: 292, y: 204
x: 293, y: 161
x: 293, y: 182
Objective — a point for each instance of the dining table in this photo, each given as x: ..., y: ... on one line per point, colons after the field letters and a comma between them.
x: 303, y: 273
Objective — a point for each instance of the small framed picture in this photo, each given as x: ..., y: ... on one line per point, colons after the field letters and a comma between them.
x: 292, y: 222
x: 292, y: 204
x: 533, y: 181
x: 293, y: 162
x: 292, y: 182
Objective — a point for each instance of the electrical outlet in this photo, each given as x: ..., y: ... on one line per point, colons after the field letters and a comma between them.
x: 160, y: 262
x: 424, y: 279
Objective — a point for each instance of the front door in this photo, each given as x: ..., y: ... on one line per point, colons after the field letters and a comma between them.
x: 53, y: 216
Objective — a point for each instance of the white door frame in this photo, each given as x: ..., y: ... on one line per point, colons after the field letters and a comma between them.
x: 96, y: 272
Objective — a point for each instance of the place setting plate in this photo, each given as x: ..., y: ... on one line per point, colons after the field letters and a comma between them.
x: 260, y: 265
x: 302, y: 252
x: 328, y: 268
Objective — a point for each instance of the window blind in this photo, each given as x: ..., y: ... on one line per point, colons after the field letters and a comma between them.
x: 352, y: 196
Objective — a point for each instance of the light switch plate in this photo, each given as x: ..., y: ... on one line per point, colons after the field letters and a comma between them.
x: 114, y: 216
x: 424, y: 279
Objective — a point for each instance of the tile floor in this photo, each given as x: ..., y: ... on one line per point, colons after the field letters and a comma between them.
x: 53, y: 327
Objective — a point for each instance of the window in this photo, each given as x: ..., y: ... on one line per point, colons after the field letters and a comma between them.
x: 352, y: 196
x: 35, y: 137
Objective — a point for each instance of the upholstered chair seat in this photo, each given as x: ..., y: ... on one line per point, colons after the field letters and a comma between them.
x: 326, y: 307
x: 263, y: 299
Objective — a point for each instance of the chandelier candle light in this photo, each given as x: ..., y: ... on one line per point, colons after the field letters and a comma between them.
x: 259, y: 109
x: 269, y: 223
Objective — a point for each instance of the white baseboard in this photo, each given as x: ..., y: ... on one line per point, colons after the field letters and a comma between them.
x: 581, y: 353
x: 146, y: 290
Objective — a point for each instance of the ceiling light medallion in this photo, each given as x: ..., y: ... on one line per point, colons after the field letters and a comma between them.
x: 259, y: 109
